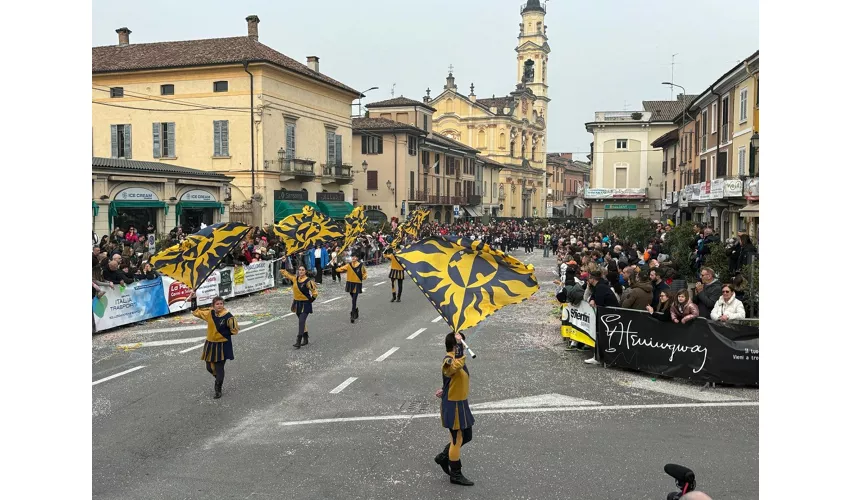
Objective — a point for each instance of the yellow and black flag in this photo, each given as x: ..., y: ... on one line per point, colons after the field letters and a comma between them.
x: 192, y: 261
x: 355, y: 223
x: 309, y: 228
x: 465, y: 280
x: 410, y: 227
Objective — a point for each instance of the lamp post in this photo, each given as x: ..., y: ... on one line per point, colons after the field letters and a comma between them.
x: 365, y: 166
x: 359, y: 114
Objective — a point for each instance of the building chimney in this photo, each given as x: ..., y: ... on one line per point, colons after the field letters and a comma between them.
x: 253, y: 21
x: 123, y: 36
x: 472, y: 92
x: 313, y: 63
x: 568, y: 156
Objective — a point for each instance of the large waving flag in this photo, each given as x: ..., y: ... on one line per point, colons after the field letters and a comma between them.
x: 355, y: 223
x: 466, y: 280
x: 309, y: 228
x: 192, y: 261
x: 410, y: 227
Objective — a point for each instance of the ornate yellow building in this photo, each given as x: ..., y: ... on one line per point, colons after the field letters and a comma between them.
x: 510, y: 129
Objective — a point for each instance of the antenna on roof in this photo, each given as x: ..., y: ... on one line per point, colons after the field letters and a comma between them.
x: 392, y: 91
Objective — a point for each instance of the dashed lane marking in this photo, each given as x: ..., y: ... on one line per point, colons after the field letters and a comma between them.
x: 125, y: 372
x: 417, y: 332
x: 340, y: 387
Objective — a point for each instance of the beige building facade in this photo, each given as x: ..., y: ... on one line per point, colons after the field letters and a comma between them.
x: 511, y: 129
x: 281, y: 129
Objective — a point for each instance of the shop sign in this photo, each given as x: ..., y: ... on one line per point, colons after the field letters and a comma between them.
x: 286, y: 195
x: 751, y: 188
x: 136, y: 194
x: 197, y: 195
x: 338, y: 196
x: 630, y: 206
x: 603, y: 193
x: 733, y: 188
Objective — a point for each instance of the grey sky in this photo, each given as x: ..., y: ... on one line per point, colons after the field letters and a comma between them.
x: 605, y: 53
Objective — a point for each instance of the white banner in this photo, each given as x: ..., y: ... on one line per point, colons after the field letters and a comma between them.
x: 148, y: 299
x: 582, y: 319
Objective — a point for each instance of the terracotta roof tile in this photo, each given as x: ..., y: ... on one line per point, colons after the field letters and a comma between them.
x: 666, y: 111
x: 398, y: 101
x: 381, y: 124
x: 190, y: 53
x: 153, y: 166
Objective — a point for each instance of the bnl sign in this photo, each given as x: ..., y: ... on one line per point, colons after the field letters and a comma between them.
x: 457, y: 210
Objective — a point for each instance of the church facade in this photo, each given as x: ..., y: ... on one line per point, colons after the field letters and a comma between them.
x: 509, y: 129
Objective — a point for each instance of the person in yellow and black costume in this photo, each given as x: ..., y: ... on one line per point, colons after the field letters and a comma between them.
x: 304, y: 293
x: 454, y: 408
x: 355, y: 275
x: 396, y: 273
x: 218, y: 348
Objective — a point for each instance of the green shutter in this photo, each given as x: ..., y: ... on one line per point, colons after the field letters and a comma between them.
x: 172, y: 144
x: 157, y: 144
x: 225, y: 139
x: 216, y: 138
x: 128, y: 141
x: 338, y: 150
x: 113, y: 129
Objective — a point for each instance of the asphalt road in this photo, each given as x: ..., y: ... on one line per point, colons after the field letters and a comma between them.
x: 287, y: 426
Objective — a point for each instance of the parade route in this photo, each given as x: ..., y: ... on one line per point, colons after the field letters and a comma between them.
x: 353, y: 415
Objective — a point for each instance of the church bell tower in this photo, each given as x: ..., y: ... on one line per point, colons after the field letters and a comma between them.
x: 533, y: 53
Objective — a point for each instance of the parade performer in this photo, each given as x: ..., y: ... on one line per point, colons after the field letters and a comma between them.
x: 454, y: 408
x: 304, y: 292
x: 396, y: 273
x: 218, y: 348
x: 354, y: 277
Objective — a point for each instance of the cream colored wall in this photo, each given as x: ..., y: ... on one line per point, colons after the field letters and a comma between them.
x: 384, y: 165
x: 275, y: 92
x: 742, y: 132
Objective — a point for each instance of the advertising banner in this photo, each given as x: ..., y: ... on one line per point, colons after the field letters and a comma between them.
x: 579, y: 323
x: 123, y: 305
x: 255, y: 277
x: 701, y: 350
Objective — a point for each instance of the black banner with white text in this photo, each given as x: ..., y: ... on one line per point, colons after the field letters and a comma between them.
x: 700, y: 350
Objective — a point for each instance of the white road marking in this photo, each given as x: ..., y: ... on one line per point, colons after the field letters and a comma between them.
x: 679, y: 390
x: 528, y: 410
x: 340, y: 387
x: 379, y: 284
x: 180, y: 328
x: 542, y: 401
x: 156, y: 343
x: 387, y: 354
x: 287, y: 315
x: 125, y: 372
x: 191, y: 348
x: 331, y: 300
x: 417, y: 332
x: 438, y: 318
x: 260, y: 324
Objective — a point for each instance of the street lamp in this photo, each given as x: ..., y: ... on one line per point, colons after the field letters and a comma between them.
x: 649, y: 181
x: 674, y: 85
x: 365, y: 166
x: 359, y: 114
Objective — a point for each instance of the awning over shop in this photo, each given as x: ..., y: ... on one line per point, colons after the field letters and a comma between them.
x: 699, y: 210
x: 472, y: 212
x: 198, y: 204
x: 285, y: 208
x: 335, y: 209
x: 670, y: 211
x: 750, y: 211
x: 115, y: 205
x: 95, y: 209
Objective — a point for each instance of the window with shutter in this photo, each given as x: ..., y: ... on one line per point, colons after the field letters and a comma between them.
x: 372, y: 179
x: 338, y: 149
x: 113, y: 129
x: 128, y: 142
x: 331, y: 146
x: 157, y: 143
x: 411, y: 145
x: 171, y: 150
x: 363, y: 145
x: 221, y: 142
x: 380, y: 145
x: 290, y: 140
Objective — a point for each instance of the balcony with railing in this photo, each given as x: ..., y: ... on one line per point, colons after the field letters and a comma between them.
x: 297, y: 168
x: 339, y: 173
x: 435, y: 199
x: 418, y: 196
x: 724, y: 133
x: 473, y: 199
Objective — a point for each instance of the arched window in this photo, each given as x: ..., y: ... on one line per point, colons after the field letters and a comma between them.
x: 450, y: 106
x: 502, y: 140
x: 481, y: 139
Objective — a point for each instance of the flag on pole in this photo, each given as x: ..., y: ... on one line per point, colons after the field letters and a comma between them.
x: 192, y: 261
x: 355, y: 223
x: 465, y: 280
x: 307, y: 229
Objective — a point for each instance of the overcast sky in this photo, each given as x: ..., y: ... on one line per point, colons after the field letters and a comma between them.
x: 607, y: 55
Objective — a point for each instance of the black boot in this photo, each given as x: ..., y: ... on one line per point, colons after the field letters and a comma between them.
x: 456, y: 476
x: 398, y: 299
x: 357, y: 313
x: 443, y: 460
x: 352, y: 316
x: 306, y: 339
x: 217, y: 390
x: 297, y: 343
x: 393, y: 300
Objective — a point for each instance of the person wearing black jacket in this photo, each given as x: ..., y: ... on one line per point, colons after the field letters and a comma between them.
x: 602, y: 294
x: 747, y: 250
x: 115, y: 275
